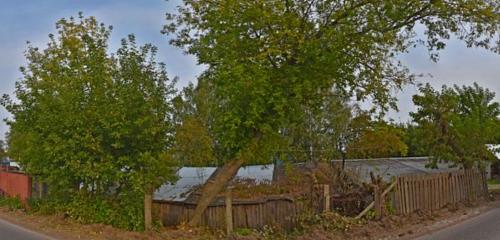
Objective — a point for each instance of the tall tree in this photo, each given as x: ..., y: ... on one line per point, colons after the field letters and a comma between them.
x: 380, y: 141
x: 413, y: 139
x: 3, y: 150
x: 319, y: 131
x: 455, y: 124
x: 267, y: 59
x: 87, y: 122
x: 193, y: 127
x: 142, y: 126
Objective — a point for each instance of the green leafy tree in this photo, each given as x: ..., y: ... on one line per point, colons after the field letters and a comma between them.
x: 413, y: 139
x: 318, y: 131
x: 455, y: 124
x: 381, y: 141
x: 194, y: 141
x: 3, y: 150
x: 269, y: 60
x: 142, y: 133
x: 89, y: 123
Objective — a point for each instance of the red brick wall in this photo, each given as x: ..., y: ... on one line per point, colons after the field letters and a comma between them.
x: 15, y: 184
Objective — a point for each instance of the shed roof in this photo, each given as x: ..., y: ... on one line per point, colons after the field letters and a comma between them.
x: 495, y: 148
x: 192, y: 177
x: 390, y: 167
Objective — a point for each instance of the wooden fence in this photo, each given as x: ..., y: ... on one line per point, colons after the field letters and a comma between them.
x: 430, y: 192
x: 15, y: 184
x: 411, y: 193
x: 280, y: 211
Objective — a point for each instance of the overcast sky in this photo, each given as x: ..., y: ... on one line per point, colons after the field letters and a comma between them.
x: 33, y: 20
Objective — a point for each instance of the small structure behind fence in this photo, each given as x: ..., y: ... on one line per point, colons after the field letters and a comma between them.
x: 430, y: 192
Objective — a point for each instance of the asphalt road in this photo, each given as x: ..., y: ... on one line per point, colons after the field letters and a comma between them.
x: 483, y: 227
x: 9, y: 231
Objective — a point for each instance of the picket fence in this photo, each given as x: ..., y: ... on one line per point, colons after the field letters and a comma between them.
x: 430, y: 192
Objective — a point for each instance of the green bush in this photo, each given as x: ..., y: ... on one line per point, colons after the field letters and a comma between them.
x: 124, y: 211
x: 243, y: 231
x: 43, y: 206
x: 330, y: 221
x: 12, y: 203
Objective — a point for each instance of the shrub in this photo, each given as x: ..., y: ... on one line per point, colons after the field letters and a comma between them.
x: 124, y: 211
x: 329, y: 221
x: 12, y: 203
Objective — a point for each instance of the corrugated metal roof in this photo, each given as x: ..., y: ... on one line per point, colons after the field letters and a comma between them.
x: 191, y: 177
x: 260, y: 173
x: 390, y: 167
x: 495, y: 148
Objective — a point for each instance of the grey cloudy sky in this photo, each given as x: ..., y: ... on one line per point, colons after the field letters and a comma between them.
x: 33, y: 20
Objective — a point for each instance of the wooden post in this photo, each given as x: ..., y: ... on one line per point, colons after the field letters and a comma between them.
x: 148, y: 199
x: 378, y: 201
x: 484, y: 185
x: 371, y: 205
x: 326, y: 197
x: 229, y: 212
x: 40, y: 188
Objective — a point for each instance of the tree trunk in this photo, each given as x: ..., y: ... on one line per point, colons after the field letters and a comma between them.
x: 148, y: 201
x: 229, y: 212
x: 214, y: 187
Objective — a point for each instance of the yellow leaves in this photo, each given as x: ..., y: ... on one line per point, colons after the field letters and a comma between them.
x: 382, y: 141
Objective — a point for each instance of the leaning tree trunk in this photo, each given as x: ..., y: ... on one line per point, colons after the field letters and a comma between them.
x: 214, y: 187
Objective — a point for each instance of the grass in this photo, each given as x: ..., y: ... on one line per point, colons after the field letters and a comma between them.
x: 494, y: 185
x: 493, y: 181
x: 12, y: 203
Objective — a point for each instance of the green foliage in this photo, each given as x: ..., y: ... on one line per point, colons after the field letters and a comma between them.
x: 455, y: 124
x: 412, y: 138
x: 96, y: 127
x: 3, y: 150
x: 193, y: 127
x: 243, y: 231
x: 271, y: 233
x: 329, y: 221
x: 269, y: 62
x: 125, y: 211
x: 12, y: 203
x: 45, y: 206
x: 321, y: 133
x: 494, y: 181
x: 383, y: 140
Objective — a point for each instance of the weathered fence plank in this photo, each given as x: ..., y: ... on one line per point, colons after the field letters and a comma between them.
x: 430, y: 192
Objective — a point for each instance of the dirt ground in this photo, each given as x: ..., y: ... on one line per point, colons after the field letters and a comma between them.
x: 59, y: 227
x: 392, y: 227
x: 409, y: 227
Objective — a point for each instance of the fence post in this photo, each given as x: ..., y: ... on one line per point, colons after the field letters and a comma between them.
x: 229, y: 211
x: 326, y: 197
x: 39, y: 186
x: 148, y: 199
x: 378, y: 202
x: 484, y: 184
